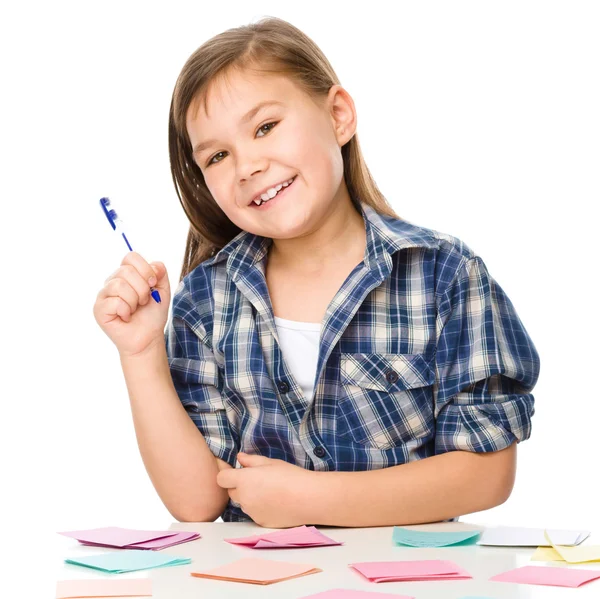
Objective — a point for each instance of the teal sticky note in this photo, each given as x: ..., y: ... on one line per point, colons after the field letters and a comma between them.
x: 420, y: 538
x: 128, y: 560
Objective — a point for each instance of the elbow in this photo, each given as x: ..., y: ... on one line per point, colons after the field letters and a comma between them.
x: 501, y: 481
x: 194, y: 514
x: 500, y: 495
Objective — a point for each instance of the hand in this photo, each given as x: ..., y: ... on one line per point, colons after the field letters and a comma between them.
x: 272, y: 492
x: 126, y: 311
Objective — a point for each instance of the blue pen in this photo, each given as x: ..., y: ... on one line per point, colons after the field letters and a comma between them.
x: 117, y: 224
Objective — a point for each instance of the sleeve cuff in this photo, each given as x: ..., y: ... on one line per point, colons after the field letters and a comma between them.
x: 484, y: 427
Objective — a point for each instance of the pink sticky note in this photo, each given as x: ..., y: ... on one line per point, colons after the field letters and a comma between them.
x: 350, y: 594
x: 132, y: 587
x: 257, y: 571
x: 301, y: 536
x: 115, y: 536
x: 411, y: 570
x: 162, y: 543
x: 546, y: 575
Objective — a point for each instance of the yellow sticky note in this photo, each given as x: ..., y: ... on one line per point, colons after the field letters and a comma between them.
x: 578, y: 554
x: 546, y: 554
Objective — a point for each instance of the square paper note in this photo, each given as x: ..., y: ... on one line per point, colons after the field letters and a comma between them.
x: 301, y: 536
x: 558, y: 577
x: 257, y: 571
x: 421, y: 538
x: 104, y: 587
x: 128, y: 561
x: 411, y: 570
x: 128, y: 538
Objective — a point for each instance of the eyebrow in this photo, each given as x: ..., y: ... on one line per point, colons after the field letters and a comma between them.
x: 247, y: 117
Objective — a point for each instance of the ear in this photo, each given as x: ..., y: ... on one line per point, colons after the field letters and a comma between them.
x: 343, y: 114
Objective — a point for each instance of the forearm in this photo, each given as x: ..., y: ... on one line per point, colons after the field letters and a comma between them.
x: 181, y: 467
x: 428, y: 490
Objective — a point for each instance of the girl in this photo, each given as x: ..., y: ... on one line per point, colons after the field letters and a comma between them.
x: 326, y: 362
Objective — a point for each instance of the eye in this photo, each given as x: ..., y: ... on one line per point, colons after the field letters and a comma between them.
x: 260, y: 129
x: 211, y: 160
x: 266, y: 125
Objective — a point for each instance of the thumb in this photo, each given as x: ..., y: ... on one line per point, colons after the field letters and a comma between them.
x: 248, y: 461
x: 160, y: 270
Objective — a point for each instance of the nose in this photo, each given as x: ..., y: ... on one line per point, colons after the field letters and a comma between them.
x: 250, y: 162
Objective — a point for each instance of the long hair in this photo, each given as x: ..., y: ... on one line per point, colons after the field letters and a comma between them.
x: 272, y: 46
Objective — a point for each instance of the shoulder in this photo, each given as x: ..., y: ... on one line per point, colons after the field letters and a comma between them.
x: 192, y: 299
x: 449, y: 253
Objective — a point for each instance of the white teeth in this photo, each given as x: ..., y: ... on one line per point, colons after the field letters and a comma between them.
x: 272, y: 192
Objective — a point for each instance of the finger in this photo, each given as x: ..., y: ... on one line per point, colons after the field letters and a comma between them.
x: 130, y: 274
x: 160, y: 271
x: 223, y: 465
x: 120, y: 288
x: 111, y: 308
x: 249, y: 461
x: 142, y: 266
x: 228, y: 479
x: 234, y: 495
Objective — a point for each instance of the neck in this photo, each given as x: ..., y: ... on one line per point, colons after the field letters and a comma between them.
x: 339, y: 237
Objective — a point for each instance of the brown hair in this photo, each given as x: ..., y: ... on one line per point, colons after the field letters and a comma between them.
x: 273, y: 46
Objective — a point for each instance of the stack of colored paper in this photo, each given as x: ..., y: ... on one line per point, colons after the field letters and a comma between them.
x: 128, y: 561
x: 559, y: 577
x: 127, y: 538
x: 104, y: 587
x: 351, y: 594
x: 301, y: 536
x: 421, y: 538
x: 572, y: 555
x: 411, y: 570
x: 509, y: 536
x: 257, y: 571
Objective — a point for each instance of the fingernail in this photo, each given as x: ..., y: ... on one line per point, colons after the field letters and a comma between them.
x: 152, y: 281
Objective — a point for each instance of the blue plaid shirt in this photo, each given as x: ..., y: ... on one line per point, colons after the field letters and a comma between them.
x: 421, y: 352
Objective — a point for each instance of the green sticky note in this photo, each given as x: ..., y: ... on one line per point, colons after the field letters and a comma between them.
x: 128, y: 560
x: 420, y: 538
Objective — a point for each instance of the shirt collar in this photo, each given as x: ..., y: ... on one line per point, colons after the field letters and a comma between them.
x: 385, y: 236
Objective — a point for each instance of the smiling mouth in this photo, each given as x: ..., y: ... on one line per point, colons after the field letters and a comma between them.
x: 263, y: 202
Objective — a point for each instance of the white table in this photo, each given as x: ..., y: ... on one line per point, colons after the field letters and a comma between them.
x: 360, y: 544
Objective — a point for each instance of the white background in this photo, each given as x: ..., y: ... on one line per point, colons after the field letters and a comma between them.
x: 477, y: 119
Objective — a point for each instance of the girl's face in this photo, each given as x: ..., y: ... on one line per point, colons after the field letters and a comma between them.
x: 243, y: 152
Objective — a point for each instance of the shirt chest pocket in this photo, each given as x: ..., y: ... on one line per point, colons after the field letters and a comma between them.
x: 386, y: 399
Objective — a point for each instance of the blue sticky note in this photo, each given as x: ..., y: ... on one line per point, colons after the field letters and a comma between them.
x: 128, y: 561
x: 420, y: 538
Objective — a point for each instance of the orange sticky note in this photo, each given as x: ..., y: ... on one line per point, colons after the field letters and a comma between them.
x: 257, y: 571
x: 98, y: 587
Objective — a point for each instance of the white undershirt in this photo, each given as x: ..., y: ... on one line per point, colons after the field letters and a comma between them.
x: 299, y: 343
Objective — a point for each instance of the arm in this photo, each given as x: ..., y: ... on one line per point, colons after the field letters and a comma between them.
x: 181, y: 467
x: 428, y: 490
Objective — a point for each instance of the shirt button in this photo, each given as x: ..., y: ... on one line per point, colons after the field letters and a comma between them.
x: 319, y: 452
x: 283, y: 386
x: 391, y: 376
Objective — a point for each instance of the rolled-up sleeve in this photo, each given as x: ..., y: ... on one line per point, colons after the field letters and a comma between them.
x: 196, y: 378
x: 486, y: 366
